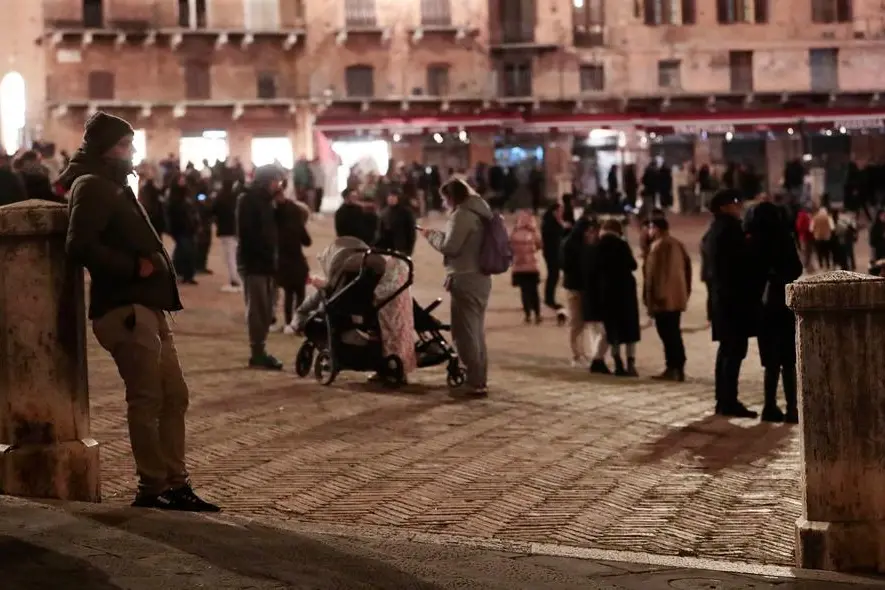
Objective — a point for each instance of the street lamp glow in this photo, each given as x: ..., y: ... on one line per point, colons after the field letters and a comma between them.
x: 462, y: 135
x: 397, y: 137
x: 729, y: 136
x: 790, y: 131
x: 437, y: 138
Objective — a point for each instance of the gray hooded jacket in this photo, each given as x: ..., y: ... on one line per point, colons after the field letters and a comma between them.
x: 460, y: 243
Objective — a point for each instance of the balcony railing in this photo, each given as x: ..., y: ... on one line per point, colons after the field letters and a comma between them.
x: 360, y: 13
x: 511, y: 32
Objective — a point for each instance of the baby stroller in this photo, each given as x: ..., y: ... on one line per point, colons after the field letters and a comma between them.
x: 346, y: 332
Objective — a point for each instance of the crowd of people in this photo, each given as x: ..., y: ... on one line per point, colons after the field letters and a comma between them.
x: 748, y: 256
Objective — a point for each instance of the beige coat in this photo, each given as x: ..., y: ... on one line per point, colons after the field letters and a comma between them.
x: 667, y: 276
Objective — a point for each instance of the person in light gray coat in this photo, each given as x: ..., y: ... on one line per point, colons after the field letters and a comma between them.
x: 460, y: 244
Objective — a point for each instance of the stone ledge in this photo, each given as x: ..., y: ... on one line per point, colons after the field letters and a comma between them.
x: 837, y: 291
x: 33, y: 218
x: 856, y: 546
x: 66, y: 470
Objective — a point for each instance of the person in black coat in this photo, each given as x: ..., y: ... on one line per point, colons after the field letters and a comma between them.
x: 397, y: 226
x: 352, y: 219
x: 12, y: 189
x: 150, y: 197
x: 733, y: 298
x: 292, y: 267
x: 618, y: 298
x: 572, y: 254
x: 777, y: 264
x: 183, y: 223
x: 35, y: 177
x: 224, y: 211
x: 553, y: 230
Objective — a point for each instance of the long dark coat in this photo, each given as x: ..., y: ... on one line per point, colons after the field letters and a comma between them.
x: 591, y: 287
x: 619, y: 301
x: 292, y: 268
x: 734, y: 289
x: 776, y: 263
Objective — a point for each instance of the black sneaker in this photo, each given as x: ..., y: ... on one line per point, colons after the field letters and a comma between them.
x: 599, y: 367
x: 792, y: 416
x: 185, y: 500
x: 146, y: 500
x: 772, y: 414
x: 265, y: 361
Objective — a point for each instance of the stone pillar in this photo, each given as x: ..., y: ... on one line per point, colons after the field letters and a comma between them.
x: 45, y: 446
x: 841, y: 323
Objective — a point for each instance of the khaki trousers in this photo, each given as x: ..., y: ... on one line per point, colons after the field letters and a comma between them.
x: 141, y: 344
x: 576, y: 325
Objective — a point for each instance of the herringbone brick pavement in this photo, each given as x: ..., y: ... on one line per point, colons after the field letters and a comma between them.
x: 554, y: 455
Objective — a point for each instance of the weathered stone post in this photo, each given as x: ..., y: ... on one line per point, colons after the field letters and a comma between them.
x: 45, y: 447
x: 841, y: 347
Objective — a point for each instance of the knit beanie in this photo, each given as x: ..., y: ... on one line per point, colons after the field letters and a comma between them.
x: 103, y: 131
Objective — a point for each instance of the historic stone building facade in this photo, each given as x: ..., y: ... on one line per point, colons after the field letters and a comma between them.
x: 450, y: 82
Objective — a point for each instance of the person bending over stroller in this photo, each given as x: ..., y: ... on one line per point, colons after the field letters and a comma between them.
x: 343, y: 257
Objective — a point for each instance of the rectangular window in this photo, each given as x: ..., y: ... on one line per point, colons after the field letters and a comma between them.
x: 517, y: 21
x: 192, y: 14
x: 197, y: 80
x: 592, y: 78
x: 729, y: 12
x: 589, y: 22
x: 262, y: 15
x: 831, y: 11
x: 438, y: 80
x: 93, y: 14
x: 360, y: 81
x: 436, y: 13
x: 360, y: 13
x: 740, y: 69
x: 101, y: 85
x: 669, y: 74
x: 669, y: 12
x: 516, y: 80
x: 267, y: 85
x: 824, y: 64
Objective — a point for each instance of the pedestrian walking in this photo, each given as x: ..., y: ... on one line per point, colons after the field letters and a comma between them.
x: 525, y: 241
x: 132, y: 288
x: 292, y: 267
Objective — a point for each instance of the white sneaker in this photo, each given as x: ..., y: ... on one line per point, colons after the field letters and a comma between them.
x: 581, y: 363
x: 289, y: 331
x: 277, y: 328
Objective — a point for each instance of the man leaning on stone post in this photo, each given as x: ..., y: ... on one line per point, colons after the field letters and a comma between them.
x: 133, y: 287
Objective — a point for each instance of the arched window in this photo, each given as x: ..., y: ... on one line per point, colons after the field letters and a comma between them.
x: 13, y: 111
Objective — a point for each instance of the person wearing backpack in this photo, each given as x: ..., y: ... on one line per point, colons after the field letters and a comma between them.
x: 475, y: 245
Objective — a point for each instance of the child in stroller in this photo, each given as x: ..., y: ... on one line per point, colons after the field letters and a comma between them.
x: 341, y: 321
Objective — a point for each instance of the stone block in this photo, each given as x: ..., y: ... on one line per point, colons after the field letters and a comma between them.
x: 45, y: 446
x: 841, y: 335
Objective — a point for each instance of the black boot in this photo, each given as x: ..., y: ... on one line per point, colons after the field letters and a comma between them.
x: 770, y: 411
x: 631, y: 367
x: 620, y: 370
x: 789, y: 378
x: 599, y: 367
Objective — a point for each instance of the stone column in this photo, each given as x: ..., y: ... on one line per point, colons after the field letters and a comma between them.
x: 841, y: 336
x: 45, y: 447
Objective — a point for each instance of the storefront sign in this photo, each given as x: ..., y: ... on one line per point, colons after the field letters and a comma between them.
x: 692, y: 129
x: 858, y: 124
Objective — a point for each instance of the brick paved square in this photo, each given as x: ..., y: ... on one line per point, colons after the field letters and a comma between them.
x: 554, y: 455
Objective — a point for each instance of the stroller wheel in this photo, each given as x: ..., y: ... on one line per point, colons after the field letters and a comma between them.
x: 394, y: 372
x: 324, y: 368
x: 304, y: 359
x: 457, y: 377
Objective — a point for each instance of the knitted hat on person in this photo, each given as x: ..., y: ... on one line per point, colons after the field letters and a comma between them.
x: 103, y: 131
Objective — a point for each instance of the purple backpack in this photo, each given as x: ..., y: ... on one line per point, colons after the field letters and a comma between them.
x: 495, y: 255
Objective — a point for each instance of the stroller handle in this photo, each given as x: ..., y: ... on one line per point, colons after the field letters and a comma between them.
x: 399, y: 256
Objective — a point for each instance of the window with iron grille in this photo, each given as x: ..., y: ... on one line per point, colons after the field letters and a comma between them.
x: 101, y: 85
x: 197, y: 80
x: 438, y: 80
x: 360, y: 13
x: 669, y: 74
x: 741, y: 11
x: 267, y: 85
x: 592, y: 77
x: 436, y: 13
x: 516, y: 20
x: 831, y: 11
x: 740, y: 70
x: 669, y: 12
x: 516, y: 80
x: 360, y: 81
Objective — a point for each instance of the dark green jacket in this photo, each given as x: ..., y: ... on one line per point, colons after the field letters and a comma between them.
x: 108, y: 233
